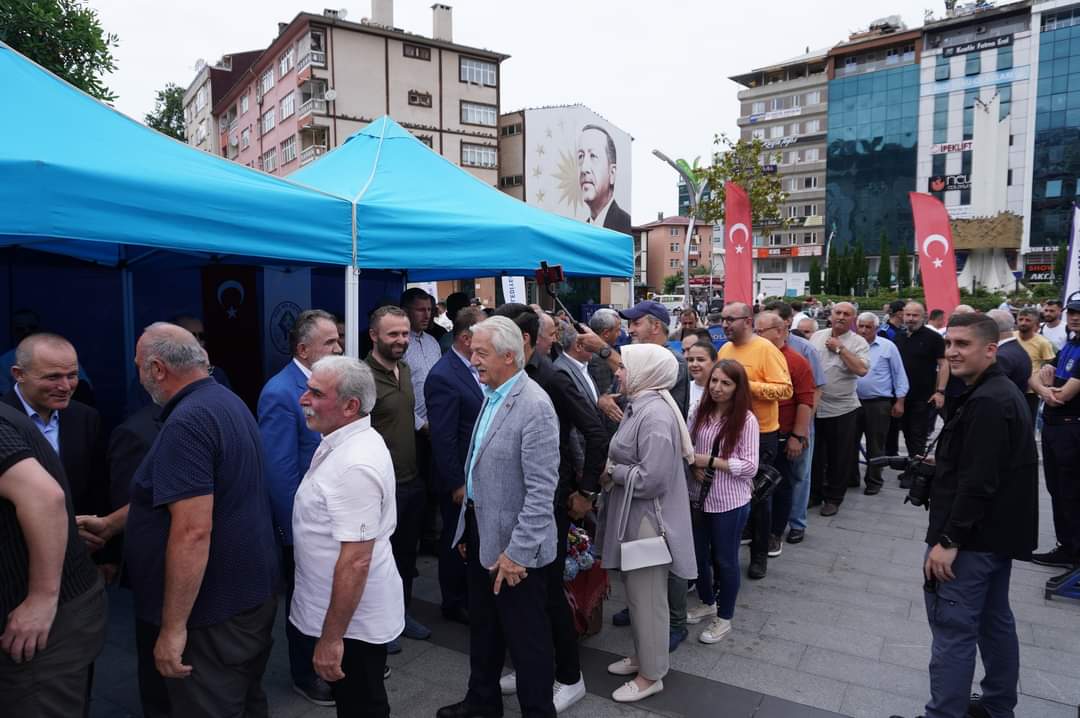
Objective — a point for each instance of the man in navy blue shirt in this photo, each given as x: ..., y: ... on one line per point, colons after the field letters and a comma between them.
x: 200, y: 547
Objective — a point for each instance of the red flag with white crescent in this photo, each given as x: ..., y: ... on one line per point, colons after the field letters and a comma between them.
x: 738, y: 246
x: 937, y: 260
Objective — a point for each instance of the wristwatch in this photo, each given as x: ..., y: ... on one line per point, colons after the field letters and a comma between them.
x: 838, y: 349
x: 947, y: 543
x: 802, y: 439
x: 605, y: 352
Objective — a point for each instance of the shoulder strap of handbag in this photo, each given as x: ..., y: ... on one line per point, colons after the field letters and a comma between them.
x: 628, y: 497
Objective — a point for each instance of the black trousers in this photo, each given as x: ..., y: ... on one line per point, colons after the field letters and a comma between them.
x: 1033, y: 404
x: 55, y: 683
x: 872, y: 421
x: 1061, y: 464
x: 916, y: 423
x: 153, y: 695
x: 361, y: 693
x: 834, y: 459
x: 410, y: 498
x: 563, y: 632
x: 429, y: 528
x: 300, y: 650
x: 761, y: 511
x: 452, y: 577
x: 227, y: 664
x: 515, y: 620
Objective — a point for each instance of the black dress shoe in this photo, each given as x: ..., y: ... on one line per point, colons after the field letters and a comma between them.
x: 456, y: 614
x: 759, y: 566
x: 872, y: 490
x: 796, y: 535
x: 317, y: 692
x: 464, y: 710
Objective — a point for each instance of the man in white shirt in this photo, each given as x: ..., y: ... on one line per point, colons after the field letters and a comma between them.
x: 348, y: 595
x: 1053, y: 328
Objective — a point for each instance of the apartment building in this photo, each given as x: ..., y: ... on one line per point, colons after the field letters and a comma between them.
x: 785, y: 106
x: 662, y: 246
x: 210, y: 85
x: 323, y: 78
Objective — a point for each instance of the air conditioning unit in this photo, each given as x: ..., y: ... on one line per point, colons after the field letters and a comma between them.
x: 233, y: 141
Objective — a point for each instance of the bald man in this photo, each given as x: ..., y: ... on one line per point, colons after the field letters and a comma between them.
x: 45, y: 376
x: 845, y: 356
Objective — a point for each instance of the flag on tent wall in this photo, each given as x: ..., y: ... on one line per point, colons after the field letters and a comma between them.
x: 1072, y: 260
x: 937, y: 260
x: 738, y: 246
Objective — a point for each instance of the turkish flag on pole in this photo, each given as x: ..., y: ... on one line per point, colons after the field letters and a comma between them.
x: 738, y: 246
x: 937, y: 260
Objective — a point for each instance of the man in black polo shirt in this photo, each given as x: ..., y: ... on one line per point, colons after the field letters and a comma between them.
x: 200, y: 545
x: 923, y: 352
x: 52, y: 601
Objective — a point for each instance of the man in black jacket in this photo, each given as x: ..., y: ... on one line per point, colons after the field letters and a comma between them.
x: 573, y: 495
x: 983, y: 514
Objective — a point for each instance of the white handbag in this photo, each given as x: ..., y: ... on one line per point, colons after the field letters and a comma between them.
x: 646, y: 552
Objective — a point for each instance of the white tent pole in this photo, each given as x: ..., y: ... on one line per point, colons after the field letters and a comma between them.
x: 630, y: 297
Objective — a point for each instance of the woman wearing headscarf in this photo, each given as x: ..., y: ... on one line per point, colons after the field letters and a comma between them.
x: 649, y: 452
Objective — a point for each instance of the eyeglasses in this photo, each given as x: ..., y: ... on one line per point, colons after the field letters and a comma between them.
x: 728, y: 320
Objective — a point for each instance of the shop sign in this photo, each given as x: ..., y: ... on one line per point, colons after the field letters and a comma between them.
x: 776, y: 115
x: 943, y: 148
x: 946, y: 183
x: 1039, y: 271
x: 978, y: 46
x: 779, y: 142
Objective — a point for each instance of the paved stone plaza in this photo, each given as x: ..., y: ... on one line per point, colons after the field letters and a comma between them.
x: 837, y: 628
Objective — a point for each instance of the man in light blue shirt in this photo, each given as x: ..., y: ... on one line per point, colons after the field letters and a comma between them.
x: 881, y: 395
x: 493, y: 399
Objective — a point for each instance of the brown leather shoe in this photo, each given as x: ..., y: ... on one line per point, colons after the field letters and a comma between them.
x: 828, y: 509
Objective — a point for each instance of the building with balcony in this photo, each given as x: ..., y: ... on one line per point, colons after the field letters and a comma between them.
x: 1053, y: 106
x: 873, y: 125
x: 973, y: 133
x: 786, y: 106
x: 210, y: 84
x: 323, y: 78
x: 662, y: 245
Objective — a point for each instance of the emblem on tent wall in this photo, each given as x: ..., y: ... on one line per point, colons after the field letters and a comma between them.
x: 230, y: 295
x: 281, y: 323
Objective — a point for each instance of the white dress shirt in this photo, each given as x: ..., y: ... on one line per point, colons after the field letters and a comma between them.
x: 421, y: 355
x: 583, y: 368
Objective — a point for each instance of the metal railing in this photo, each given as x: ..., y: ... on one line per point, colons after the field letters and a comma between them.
x: 308, y: 154
x: 315, y: 105
x: 315, y: 57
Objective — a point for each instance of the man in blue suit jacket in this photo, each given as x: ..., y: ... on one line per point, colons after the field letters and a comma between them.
x: 289, y: 444
x: 453, y: 396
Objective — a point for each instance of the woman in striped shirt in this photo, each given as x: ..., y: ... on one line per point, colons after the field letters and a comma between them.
x: 725, y: 435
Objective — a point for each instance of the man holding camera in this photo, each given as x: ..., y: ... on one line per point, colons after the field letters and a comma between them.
x: 983, y: 514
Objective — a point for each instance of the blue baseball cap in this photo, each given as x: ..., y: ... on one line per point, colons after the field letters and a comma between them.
x: 647, y: 308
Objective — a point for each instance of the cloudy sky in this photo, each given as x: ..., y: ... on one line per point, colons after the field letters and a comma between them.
x: 657, y: 69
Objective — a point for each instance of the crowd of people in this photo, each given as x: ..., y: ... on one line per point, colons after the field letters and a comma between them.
x: 673, y: 445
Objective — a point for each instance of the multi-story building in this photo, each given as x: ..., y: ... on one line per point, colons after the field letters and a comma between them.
x: 571, y: 161
x: 210, y: 85
x: 1053, y: 175
x: 873, y: 137
x: 662, y: 245
x: 973, y: 133
x: 323, y: 78
x: 785, y: 106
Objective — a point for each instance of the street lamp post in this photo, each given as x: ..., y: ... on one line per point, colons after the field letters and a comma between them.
x: 695, y: 192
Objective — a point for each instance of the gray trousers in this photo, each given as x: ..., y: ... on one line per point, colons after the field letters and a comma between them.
x: 55, y: 683
x: 973, y: 610
x: 647, y: 598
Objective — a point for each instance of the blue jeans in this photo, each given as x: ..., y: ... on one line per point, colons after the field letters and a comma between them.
x: 717, y: 538
x: 973, y: 610
x: 800, y: 490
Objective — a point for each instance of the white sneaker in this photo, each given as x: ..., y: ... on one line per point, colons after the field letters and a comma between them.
x: 564, y: 695
x: 717, y: 629
x: 508, y: 683
x: 695, y: 614
x: 629, y: 692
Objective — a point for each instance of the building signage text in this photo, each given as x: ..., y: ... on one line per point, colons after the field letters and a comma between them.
x: 999, y: 77
x: 1039, y: 271
x: 793, y: 251
x: 943, y: 148
x: 779, y: 142
x: 946, y: 183
x: 978, y: 46
x: 776, y: 115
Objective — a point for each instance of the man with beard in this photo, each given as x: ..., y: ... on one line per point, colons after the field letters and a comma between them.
x: 393, y: 417
x: 923, y: 352
x: 597, y: 162
x: 1053, y: 327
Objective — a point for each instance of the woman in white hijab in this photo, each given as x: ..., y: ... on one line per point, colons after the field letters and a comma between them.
x: 649, y: 451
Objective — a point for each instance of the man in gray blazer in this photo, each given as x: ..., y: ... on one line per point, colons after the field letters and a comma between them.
x: 507, y: 529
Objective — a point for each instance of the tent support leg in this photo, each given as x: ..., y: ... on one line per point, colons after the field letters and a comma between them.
x: 128, y: 309
x: 352, y: 312
x: 630, y: 296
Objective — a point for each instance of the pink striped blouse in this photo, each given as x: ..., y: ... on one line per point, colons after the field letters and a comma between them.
x: 730, y: 489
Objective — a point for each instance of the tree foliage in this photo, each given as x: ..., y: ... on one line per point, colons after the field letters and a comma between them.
x: 884, y: 272
x: 903, y: 268
x: 671, y: 283
x: 168, y: 114
x: 815, y: 276
x: 63, y: 36
x: 860, y: 270
x: 741, y: 162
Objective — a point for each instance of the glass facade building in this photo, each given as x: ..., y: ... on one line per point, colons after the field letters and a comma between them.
x: 1056, y: 178
x: 872, y: 156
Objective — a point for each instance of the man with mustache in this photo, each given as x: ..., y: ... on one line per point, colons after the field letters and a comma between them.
x: 597, y: 161
x: 393, y: 418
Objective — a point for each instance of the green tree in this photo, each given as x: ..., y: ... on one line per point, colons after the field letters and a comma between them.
x: 63, y: 36
x: 815, y: 276
x: 884, y: 272
x: 860, y: 269
x: 903, y: 269
x: 742, y: 162
x: 1060, y: 260
x: 671, y: 283
x: 168, y: 114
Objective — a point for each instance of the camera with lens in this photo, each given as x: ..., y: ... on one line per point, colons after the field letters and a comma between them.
x: 915, y: 470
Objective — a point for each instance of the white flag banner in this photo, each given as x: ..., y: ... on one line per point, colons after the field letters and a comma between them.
x: 514, y: 290
x: 1072, y: 260
x: 431, y: 288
